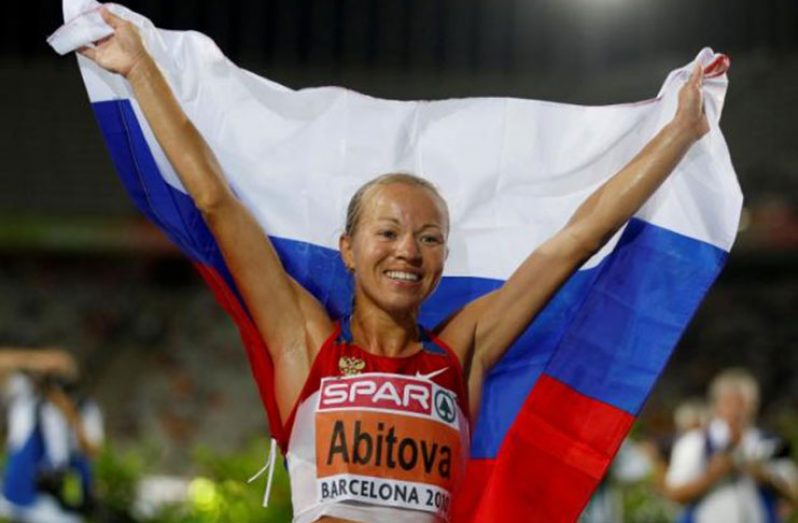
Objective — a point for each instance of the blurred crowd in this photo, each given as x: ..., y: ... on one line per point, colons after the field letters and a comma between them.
x: 154, y: 347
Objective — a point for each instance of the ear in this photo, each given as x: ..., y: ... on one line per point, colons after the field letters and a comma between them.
x: 345, y: 246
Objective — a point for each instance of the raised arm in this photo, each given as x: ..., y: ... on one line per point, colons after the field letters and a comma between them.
x: 292, y: 323
x: 45, y: 361
x: 688, y: 479
x: 483, y: 330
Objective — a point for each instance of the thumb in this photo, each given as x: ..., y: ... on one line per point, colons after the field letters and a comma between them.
x: 697, y: 75
x: 110, y: 18
x: 89, y: 52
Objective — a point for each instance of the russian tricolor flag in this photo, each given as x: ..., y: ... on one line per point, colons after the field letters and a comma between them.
x: 557, y: 406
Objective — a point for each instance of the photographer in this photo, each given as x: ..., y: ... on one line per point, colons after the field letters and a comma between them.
x: 730, y: 471
x: 52, y: 434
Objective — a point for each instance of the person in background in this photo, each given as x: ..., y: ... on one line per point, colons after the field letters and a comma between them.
x: 689, y: 415
x: 52, y: 434
x: 729, y: 471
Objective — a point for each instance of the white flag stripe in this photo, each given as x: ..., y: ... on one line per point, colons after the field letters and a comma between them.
x: 512, y: 170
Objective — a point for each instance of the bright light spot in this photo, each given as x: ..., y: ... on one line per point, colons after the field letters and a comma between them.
x: 600, y: 4
x: 204, y: 495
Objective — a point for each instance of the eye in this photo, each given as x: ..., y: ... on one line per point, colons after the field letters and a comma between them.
x: 388, y: 234
x: 431, y: 239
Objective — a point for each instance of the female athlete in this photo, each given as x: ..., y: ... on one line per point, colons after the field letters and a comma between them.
x: 377, y: 407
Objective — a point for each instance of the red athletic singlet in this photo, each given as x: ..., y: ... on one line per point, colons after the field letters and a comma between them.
x: 375, y: 438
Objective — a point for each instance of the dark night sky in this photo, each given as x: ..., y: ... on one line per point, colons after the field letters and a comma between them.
x: 504, y: 35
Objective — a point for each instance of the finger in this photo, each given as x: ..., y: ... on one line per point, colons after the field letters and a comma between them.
x: 697, y: 76
x: 693, y: 71
x: 110, y: 18
x: 88, y: 52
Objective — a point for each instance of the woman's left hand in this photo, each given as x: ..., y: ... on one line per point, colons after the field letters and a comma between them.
x: 690, y: 114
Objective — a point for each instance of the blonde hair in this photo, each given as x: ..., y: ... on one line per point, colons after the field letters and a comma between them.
x: 736, y: 379
x: 355, y: 208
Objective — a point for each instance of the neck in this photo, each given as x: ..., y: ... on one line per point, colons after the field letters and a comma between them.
x: 383, y: 333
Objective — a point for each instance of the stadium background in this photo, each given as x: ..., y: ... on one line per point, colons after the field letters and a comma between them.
x: 79, y: 268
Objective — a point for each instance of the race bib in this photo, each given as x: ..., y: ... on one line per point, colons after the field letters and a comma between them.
x: 387, y: 439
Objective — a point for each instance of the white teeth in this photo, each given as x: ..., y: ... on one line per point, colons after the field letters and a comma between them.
x: 405, y: 276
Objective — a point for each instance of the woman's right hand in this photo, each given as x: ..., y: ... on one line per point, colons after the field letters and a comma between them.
x: 120, y: 52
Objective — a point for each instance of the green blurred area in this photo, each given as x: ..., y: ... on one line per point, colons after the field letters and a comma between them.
x: 217, y: 493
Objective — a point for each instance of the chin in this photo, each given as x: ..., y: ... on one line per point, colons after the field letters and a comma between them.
x: 397, y: 303
x: 401, y: 306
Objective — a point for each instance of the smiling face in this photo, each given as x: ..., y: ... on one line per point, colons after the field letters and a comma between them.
x: 397, y: 247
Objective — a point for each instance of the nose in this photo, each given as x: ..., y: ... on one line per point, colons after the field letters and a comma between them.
x: 408, y: 249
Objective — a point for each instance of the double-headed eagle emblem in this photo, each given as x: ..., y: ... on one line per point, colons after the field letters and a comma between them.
x: 351, y: 366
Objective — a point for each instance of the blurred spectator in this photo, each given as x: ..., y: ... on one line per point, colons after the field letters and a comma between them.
x: 52, y: 434
x: 730, y: 471
x: 689, y: 415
